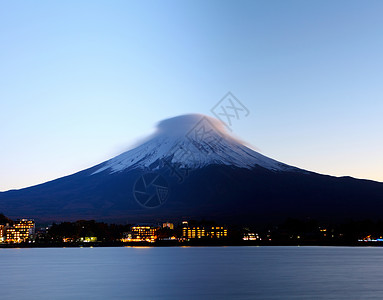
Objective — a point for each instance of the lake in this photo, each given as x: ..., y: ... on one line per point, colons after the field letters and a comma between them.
x: 192, y: 273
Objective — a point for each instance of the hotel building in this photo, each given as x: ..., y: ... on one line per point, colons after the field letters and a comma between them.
x: 2, y: 233
x: 21, y: 231
x: 203, y: 231
x: 142, y: 233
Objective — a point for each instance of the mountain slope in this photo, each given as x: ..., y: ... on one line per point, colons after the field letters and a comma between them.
x: 191, y: 141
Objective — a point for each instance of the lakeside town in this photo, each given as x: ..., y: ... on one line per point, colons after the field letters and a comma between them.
x: 24, y: 232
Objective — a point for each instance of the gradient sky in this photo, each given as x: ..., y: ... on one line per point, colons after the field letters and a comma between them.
x: 80, y: 81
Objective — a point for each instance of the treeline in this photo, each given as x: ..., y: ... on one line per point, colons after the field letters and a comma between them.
x: 291, y: 231
x: 312, y: 230
x: 81, y: 229
x: 4, y: 220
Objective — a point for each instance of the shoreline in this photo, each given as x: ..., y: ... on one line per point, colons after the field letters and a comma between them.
x: 187, y: 244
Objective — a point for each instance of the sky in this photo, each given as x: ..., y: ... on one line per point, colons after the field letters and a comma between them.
x: 82, y: 81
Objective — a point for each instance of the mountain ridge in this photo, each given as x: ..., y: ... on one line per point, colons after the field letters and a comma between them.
x: 196, y: 141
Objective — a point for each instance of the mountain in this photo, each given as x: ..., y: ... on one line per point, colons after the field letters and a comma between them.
x: 192, y: 168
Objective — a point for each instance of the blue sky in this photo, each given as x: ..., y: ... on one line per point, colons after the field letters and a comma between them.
x: 80, y: 81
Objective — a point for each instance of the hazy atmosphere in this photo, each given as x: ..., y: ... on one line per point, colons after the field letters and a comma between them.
x: 80, y: 82
x: 191, y: 149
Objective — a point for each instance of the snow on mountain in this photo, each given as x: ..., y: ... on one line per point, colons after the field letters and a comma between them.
x: 191, y: 141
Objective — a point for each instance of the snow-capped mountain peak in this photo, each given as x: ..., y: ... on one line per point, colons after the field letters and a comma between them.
x: 190, y: 141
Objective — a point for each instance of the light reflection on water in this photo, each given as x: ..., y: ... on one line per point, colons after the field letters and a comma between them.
x: 192, y: 273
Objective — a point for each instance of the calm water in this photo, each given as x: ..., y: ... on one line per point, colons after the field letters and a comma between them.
x: 192, y: 273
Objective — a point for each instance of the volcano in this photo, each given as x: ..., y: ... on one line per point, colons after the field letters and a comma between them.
x: 192, y: 168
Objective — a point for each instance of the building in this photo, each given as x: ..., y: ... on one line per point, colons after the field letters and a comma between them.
x: 168, y: 225
x: 21, y: 231
x: 203, y: 231
x: 142, y: 233
x: 2, y: 233
x: 250, y: 236
x: 87, y: 239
